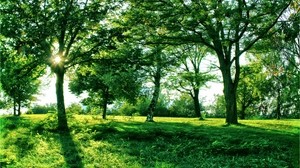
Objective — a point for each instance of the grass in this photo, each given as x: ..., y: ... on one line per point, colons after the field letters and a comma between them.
x: 33, y: 141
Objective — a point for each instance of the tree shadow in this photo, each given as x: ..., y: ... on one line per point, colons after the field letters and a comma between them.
x: 69, y: 150
x: 234, y: 140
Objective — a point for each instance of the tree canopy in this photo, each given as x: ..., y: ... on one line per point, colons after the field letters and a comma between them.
x: 229, y: 28
x: 112, y: 45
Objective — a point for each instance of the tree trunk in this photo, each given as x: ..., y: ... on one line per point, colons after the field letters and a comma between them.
x: 196, y: 104
x: 61, y: 113
x: 230, y: 89
x: 153, y: 103
x: 105, y: 102
x: 155, y: 96
x: 278, y: 108
x: 104, y: 110
x: 243, y: 112
x: 19, y: 108
x: 15, y: 105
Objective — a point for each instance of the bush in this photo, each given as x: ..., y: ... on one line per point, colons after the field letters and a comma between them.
x: 39, y: 109
x: 218, y: 110
x: 127, y: 109
x: 74, y: 108
x: 183, y: 107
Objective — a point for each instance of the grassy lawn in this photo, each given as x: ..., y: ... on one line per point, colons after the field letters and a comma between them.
x: 32, y: 141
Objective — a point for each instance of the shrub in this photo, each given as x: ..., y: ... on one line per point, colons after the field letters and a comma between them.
x: 74, y: 108
x: 183, y: 107
x: 40, y: 109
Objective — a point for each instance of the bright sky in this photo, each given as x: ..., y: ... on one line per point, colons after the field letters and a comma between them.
x: 47, y: 93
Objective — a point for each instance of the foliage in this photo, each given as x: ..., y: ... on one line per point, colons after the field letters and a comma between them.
x: 182, y: 107
x: 219, y: 108
x: 141, y: 107
x: 74, y: 108
x: 251, y: 89
x: 228, y: 28
x: 42, y: 109
x: 59, y: 34
x: 127, y: 109
x: 16, y: 74
x: 190, y: 77
x: 117, y: 142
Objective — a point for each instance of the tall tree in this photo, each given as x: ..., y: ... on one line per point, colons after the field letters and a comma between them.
x: 281, y: 60
x: 156, y: 73
x: 160, y: 60
x: 229, y: 28
x: 191, y: 77
x: 59, y: 34
x: 283, y: 84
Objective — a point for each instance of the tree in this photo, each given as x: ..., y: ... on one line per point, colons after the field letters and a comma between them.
x: 190, y: 78
x: 280, y: 58
x: 251, y: 87
x: 59, y: 34
x: 156, y: 73
x: 3, y: 99
x: 160, y: 60
x: 15, y: 76
x: 283, y: 83
x: 229, y: 28
x: 183, y: 107
x: 105, y: 83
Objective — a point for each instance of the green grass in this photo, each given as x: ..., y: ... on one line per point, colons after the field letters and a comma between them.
x: 33, y: 141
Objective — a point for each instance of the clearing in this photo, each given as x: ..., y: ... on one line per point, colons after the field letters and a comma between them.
x: 33, y: 141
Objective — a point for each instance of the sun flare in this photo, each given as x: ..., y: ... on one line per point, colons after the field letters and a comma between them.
x: 57, y: 60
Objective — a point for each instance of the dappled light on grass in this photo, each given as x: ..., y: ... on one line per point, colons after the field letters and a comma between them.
x: 169, y: 142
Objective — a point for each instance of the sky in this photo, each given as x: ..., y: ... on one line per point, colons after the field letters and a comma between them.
x: 47, y: 94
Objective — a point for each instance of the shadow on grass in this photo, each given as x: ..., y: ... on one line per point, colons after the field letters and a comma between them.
x: 173, y: 144
x: 69, y: 150
x: 24, y: 139
x: 148, y: 141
